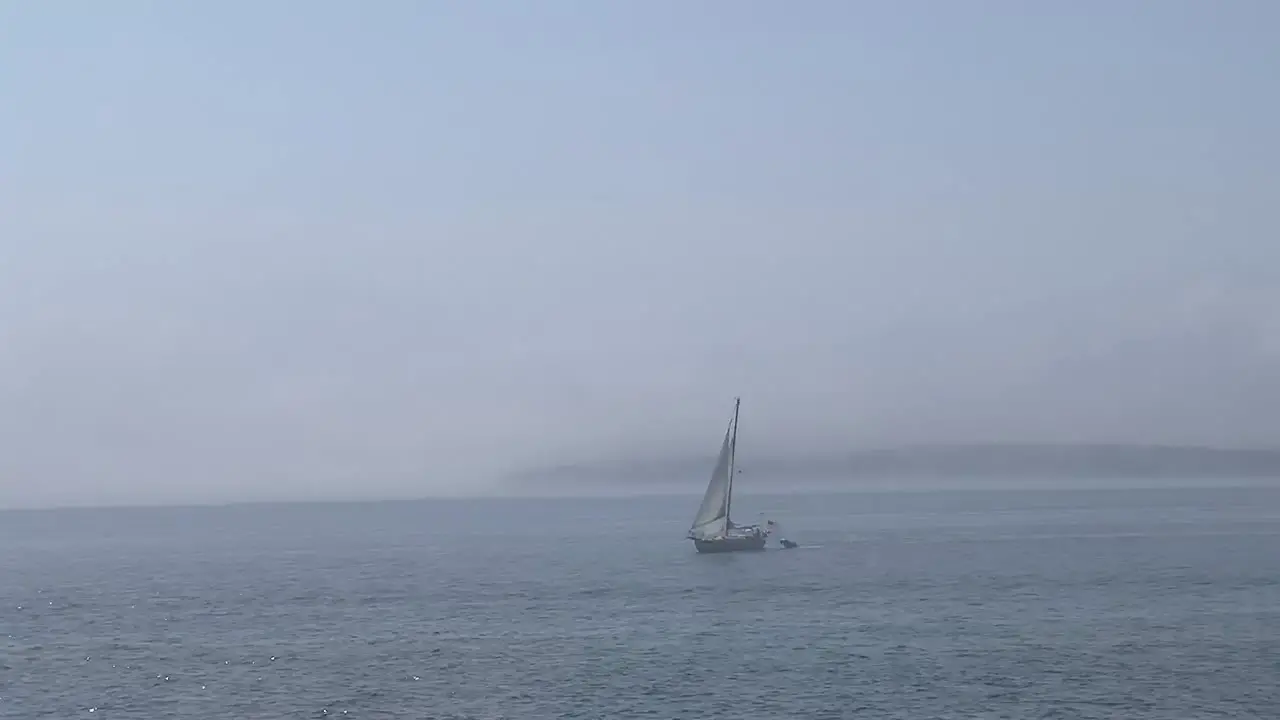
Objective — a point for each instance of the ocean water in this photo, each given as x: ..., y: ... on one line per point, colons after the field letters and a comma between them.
x: 1140, y: 603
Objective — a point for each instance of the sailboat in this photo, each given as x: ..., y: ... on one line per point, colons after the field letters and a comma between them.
x: 713, y: 531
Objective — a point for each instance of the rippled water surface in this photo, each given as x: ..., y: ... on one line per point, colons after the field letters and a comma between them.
x: 994, y: 604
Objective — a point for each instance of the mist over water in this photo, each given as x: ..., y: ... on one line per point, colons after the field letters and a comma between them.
x: 252, y: 253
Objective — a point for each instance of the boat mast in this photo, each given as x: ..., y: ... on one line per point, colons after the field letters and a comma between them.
x: 733, y: 452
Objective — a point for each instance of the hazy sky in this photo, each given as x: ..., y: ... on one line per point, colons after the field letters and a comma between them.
x: 317, y: 249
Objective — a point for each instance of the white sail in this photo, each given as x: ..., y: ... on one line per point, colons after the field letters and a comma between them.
x: 713, y: 516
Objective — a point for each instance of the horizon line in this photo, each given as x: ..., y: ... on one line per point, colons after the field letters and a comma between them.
x: 886, y: 485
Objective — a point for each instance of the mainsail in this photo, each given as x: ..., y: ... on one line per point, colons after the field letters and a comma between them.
x: 712, y: 520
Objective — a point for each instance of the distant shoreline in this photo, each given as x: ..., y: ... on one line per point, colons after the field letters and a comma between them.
x: 761, y: 489
x: 915, y: 468
x: 941, y: 462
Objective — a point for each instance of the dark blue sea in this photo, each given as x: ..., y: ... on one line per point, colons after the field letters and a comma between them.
x: 1100, y: 603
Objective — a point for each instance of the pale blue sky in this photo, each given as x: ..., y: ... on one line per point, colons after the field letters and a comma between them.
x: 332, y: 248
